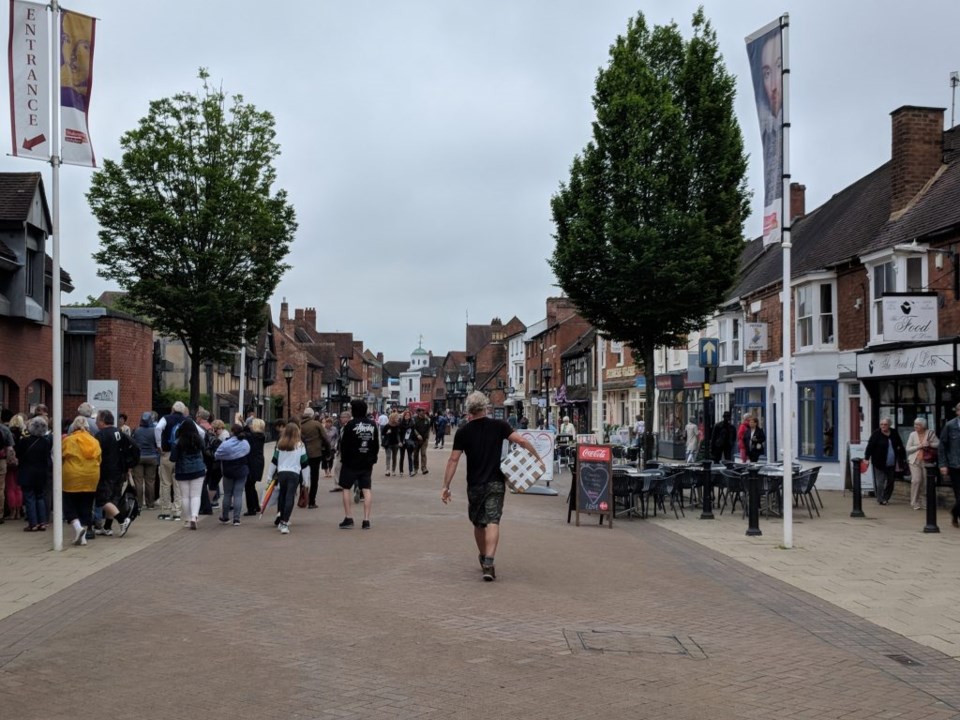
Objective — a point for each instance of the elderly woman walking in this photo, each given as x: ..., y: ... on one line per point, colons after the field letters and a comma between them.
x: 922, y: 447
x: 33, y: 471
x: 81, y: 475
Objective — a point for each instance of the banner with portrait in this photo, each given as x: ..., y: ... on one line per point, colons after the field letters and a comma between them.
x: 77, y: 36
x: 28, y: 60
x: 765, y: 50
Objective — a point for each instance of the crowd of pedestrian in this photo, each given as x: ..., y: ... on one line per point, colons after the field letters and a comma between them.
x: 187, y: 466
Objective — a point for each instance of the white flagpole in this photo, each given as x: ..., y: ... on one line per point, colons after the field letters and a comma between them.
x: 243, y: 374
x: 55, y: 320
x: 600, y: 350
x: 786, y: 245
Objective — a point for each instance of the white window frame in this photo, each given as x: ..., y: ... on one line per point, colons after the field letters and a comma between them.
x: 814, y: 285
x: 899, y: 255
x: 730, y: 337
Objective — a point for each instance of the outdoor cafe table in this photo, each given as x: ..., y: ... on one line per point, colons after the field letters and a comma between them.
x: 772, y: 478
x: 644, y: 481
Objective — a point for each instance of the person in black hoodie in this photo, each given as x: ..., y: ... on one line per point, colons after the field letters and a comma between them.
x: 113, y: 473
x: 257, y: 439
x: 359, y: 447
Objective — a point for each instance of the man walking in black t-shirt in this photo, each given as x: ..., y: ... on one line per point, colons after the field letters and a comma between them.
x: 481, y: 439
x: 359, y: 447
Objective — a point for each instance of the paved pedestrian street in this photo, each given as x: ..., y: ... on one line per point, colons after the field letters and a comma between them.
x: 396, y: 622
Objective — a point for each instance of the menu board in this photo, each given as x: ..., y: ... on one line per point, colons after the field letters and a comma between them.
x: 594, y: 481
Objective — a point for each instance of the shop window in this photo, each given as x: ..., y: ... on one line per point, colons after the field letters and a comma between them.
x: 817, y: 415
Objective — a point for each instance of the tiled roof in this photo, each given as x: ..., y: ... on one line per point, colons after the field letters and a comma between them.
x: 477, y: 337
x: 16, y: 196
x: 393, y: 368
x: 582, y: 344
x: 835, y: 232
x: 66, y: 282
x: 856, y: 221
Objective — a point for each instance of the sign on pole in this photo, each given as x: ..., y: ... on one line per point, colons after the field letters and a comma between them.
x: 709, y: 352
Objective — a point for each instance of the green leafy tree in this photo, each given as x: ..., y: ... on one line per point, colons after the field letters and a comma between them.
x: 649, y: 226
x: 190, y: 225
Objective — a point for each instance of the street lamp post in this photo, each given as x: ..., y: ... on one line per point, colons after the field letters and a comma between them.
x: 547, y: 372
x: 288, y: 376
x: 344, y: 381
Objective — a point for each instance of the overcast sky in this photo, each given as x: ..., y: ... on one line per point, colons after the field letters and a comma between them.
x: 422, y: 140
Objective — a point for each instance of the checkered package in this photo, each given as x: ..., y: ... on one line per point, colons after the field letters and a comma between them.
x: 521, y: 469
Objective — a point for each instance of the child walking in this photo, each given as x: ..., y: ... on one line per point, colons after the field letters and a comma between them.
x: 292, y: 467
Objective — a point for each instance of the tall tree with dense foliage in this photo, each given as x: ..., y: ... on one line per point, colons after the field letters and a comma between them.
x: 191, y: 226
x: 649, y: 226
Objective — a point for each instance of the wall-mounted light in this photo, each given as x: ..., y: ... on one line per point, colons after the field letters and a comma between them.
x: 858, y: 303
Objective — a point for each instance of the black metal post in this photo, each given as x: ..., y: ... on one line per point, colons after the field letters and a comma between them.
x: 857, y: 511
x: 931, y: 526
x: 707, y: 492
x: 753, y: 511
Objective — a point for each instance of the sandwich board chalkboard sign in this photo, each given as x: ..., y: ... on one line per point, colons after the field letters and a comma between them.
x: 594, y: 486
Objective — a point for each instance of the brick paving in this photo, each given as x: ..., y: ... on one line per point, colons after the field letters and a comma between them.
x: 635, y: 622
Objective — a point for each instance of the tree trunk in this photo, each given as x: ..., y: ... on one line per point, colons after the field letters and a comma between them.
x: 649, y: 450
x: 195, y: 383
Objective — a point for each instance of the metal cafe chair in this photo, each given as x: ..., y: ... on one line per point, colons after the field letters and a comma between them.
x: 733, y: 488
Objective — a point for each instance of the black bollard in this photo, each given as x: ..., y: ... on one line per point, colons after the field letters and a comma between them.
x: 753, y: 511
x: 707, y: 493
x: 857, y: 494
x: 931, y: 526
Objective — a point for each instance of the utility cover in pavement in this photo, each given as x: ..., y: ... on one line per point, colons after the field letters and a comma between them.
x: 632, y: 643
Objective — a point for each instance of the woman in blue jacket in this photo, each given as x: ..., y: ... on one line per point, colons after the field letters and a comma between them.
x: 233, y: 458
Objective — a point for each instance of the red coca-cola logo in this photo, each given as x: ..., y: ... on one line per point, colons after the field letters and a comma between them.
x: 596, y: 453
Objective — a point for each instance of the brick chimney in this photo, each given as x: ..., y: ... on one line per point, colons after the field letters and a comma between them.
x: 298, y: 316
x: 798, y: 201
x: 284, y: 316
x: 310, y: 317
x: 916, y: 154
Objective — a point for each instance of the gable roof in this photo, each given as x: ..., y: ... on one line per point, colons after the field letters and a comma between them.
x: 16, y: 197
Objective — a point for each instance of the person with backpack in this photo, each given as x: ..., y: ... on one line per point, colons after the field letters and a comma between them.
x: 115, y: 447
x: 166, y: 434
x: 145, y: 471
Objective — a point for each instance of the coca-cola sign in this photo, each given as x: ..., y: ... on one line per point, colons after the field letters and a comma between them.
x: 594, y: 453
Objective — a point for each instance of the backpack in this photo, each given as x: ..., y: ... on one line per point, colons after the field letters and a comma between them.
x: 210, y: 444
x: 170, y: 435
x: 129, y: 452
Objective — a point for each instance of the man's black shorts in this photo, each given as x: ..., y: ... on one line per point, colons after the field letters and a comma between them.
x: 349, y: 478
x: 486, y: 503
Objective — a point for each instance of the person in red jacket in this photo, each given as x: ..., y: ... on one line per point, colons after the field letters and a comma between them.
x: 743, y: 437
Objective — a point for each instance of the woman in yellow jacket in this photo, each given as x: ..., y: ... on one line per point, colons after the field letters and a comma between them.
x: 81, y: 473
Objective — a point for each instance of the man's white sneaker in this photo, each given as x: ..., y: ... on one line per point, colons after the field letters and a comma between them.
x: 124, y: 526
x: 81, y: 538
x: 284, y: 529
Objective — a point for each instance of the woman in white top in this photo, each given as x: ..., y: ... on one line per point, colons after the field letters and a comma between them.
x: 920, y: 439
x: 292, y: 467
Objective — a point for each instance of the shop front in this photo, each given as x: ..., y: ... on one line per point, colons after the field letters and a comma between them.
x: 908, y: 382
x: 671, y: 415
